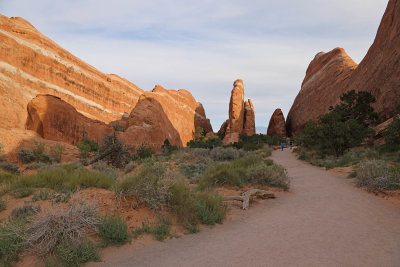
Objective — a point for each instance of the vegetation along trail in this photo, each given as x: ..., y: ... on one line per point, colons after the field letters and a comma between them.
x: 324, y: 221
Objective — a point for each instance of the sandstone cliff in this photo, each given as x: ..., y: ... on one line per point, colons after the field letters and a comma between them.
x: 32, y: 64
x: 276, y: 126
x: 241, y: 115
x: 331, y: 74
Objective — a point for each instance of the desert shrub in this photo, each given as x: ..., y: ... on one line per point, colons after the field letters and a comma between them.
x: 3, y: 204
x: 114, y: 152
x: 25, y: 211
x: 224, y: 154
x: 273, y: 175
x: 56, y: 228
x: 25, y: 155
x: 77, y: 253
x: 22, y: 192
x: 130, y: 166
x: 102, y: 166
x: 352, y: 174
x: 167, y: 148
x: 256, y: 141
x: 267, y: 150
x: 63, y: 197
x: 392, y: 135
x: 114, y: 230
x: 88, y: 145
x: 144, y: 151
x: 147, y: 185
x: 42, y: 195
x: 11, y: 241
x: 39, y: 150
x: 56, y: 152
x: 377, y: 175
x: 6, y: 177
x: 193, y: 170
x: 34, y: 166
x: 181, y: 201
x: 160, y: 230
x: 118, y: 128
x: 206, y: 142
x: 210, y: 208
x: 9, y: 167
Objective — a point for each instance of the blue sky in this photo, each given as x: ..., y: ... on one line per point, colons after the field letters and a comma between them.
x: 203, y: 46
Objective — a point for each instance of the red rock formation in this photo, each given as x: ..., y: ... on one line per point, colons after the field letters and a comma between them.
x: 162, y: 114
x: 55, y: 119
x: 276, y: 125
x: 320, y: 88
x: 32, y: 64
x: 222, y: 129
x: 329, y: 75
x: 249, y: 127
x: 236, y: 113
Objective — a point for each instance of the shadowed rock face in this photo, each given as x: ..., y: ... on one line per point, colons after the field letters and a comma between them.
x: 276, y: 125
x: 159, y: 115
x: 241, y: 115
x: 330, y: 75
x: 320, y: 88
x: 32, y: 64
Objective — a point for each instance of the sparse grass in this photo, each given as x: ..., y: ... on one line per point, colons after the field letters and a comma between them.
x: 42, y: 195
x: 9, y: 167
x: 22, y: 192
x: 225, y: 153
x: 75, y: 254
x: 11, y: 241
x: 181, y: 202
x: 193, y: 170
x: 3, y: 204
x: 160, y: 230
x: 56, y: 152
x: 210, y: 208
x: 114, y: 230
x: 25, y: 211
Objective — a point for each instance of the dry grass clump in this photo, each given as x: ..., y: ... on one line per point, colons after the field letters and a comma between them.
x: 66, y: 227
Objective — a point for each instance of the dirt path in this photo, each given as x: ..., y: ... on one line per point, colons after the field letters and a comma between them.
x: 324, y: 221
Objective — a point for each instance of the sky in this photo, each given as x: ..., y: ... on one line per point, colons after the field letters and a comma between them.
x: 204, y: 46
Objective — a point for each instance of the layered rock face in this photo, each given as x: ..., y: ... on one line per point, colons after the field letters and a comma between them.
x: 241, y: 115
x: 320, y: 88
x: 161, y: 114
x: 330, y: 75
x: 158, y: 115
x: 55, y: 119
x: 276, y: 126
x: 32, y: 64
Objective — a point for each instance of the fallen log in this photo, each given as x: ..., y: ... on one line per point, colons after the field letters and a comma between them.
x: 245, y: 197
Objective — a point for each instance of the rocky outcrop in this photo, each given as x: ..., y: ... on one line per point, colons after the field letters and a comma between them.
x: 380, y: 129
x: 276, y: 126
x: 55, y: 119
x: 241, y: 115
x: 249, y: 127
x: 330, y: 75
x: 158, y: 115
x: 162, y: 114
x: 320, y: 88
x: 222, y: 129
x: 32, y: 64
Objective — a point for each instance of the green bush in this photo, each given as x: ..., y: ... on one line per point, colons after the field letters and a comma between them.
x: 56, y: 152
x: 114, y: 152
x: 144, y: 151
x: 160, y: 230
x: 9, y: 167
x: 11, y: 241
x: 114, y: 230
x: 22, y: 192
x: 272, y: 175
x: 147, y: 185
x: 181, y: 201
x: 42, y: 195
x: 210, y: 208
x: 75, y: 254
x: 25, y: 155
x: 39, y: 151
x: 206, y: 142
x: 167, y: 148
x: 88, y: 145
x: 256, y: 141
x: 377, y: 175
x: 118, y: 128
x: 102, y: 166
x: 193, y: 171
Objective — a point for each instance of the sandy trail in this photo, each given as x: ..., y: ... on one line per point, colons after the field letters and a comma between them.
x: 324, y: 221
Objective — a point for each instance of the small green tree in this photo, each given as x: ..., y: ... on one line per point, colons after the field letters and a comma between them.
x: 167, y: 148
x: 392, y: 135
x: 144, y: 151
x: 198, y: 133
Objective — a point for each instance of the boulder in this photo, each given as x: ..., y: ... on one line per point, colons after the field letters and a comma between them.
x: 276, y: 125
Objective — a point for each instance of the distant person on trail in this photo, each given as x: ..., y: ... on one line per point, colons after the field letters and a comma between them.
x: 282, y: 145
